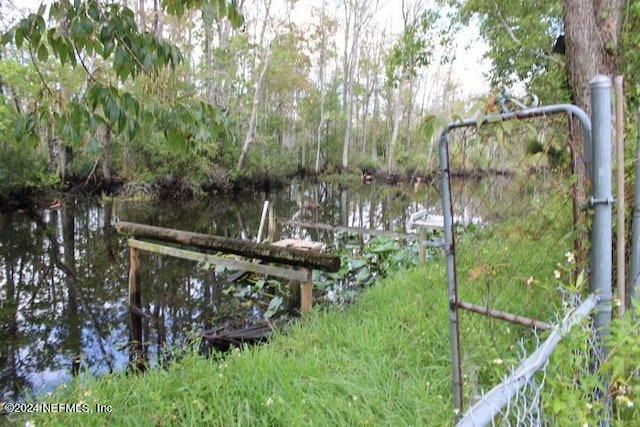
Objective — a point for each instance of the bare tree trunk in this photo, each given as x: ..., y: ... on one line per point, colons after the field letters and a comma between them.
x: 323, y: 90
x: 143, y: 15
x: 156, y: 22
x: 358, y: 13
x: 349, y: 70
x: 208, y: 57
x: 106, y: 157
x: 253, y: 119
x: 397, y: 116
x: 410, y: 100
x: 376, y: 110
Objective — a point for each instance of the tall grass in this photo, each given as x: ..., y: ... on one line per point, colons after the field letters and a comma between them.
x: 383, y: 360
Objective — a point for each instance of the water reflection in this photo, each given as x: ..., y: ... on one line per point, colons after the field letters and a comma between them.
x: 64, y: 273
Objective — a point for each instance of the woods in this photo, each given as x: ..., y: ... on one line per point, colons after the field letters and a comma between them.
x: 209, y: 91
x: 212, y: 91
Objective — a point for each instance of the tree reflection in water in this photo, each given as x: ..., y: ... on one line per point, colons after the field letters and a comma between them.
x: 64, y: 274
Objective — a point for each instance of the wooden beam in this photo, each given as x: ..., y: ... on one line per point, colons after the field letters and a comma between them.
x: 265, y: 252
x: 357, y: 230
x: 234, y: 264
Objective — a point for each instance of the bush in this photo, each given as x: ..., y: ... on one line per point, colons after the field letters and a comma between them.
x: 20, y: 171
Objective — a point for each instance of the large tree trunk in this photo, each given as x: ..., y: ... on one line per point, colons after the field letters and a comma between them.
x: 592, y: 30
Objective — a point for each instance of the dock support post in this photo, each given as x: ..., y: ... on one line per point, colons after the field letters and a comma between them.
x: 306, y: 293
x: 271, y: 227
x: 135, y: 306
x: 422, y: 251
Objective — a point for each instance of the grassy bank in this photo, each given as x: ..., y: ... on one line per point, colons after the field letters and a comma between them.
x: 384, y: 360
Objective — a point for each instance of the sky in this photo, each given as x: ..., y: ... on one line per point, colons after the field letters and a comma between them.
x: 469, y: 67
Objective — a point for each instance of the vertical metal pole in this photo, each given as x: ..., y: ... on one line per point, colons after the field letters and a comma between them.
x: 601, y: 259
x: 620, y: 208
x: 634, y: 274
x: 449, y: 247
x: 601, y: 201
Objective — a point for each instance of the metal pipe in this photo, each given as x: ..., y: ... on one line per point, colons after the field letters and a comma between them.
x: 452, y: 288
x: 534, y: 112
x: 620, y: 209
x: 601, y: 202
x: 634, y: 272
x: 502, y: 315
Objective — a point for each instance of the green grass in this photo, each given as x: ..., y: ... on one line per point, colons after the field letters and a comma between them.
x: 382, y: 361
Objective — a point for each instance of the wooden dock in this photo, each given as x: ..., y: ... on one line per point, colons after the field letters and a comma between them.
x: 288, y: 259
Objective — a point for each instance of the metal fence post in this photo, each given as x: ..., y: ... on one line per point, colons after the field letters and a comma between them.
x: 634, y: 274
x: 449, y: 248
x: 601, y: 202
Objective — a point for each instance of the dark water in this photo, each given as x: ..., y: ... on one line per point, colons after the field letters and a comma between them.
x: 64, y: 273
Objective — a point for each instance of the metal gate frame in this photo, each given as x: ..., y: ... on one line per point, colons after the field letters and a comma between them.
x: 598, y: 160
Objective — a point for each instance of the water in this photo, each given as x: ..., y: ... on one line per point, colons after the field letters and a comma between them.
x: 64, y: 273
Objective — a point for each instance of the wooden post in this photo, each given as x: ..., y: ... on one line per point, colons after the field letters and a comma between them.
x: 263, y: 217
x: 135, y: 302
x: 306, y: 293
x: 271, y: 232
x: 422, y: 252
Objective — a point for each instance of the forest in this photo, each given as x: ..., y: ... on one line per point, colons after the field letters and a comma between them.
x: 204, y: 95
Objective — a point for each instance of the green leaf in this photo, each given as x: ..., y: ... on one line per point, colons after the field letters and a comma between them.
x: 43, y: 53
x: 175, y: 141
x: 112, y: 110
x: 6, y: 38
x: 107, y: 48
x: 355, y: 264
x: 19, y: 37
x: 94, y: 146
x: 78, y: 33
x: 274, y: 306
x: 132, y: 129
x: 93, y: 11
x: 70, y: 54
x: 122, y: 123
x: 363, y: 275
